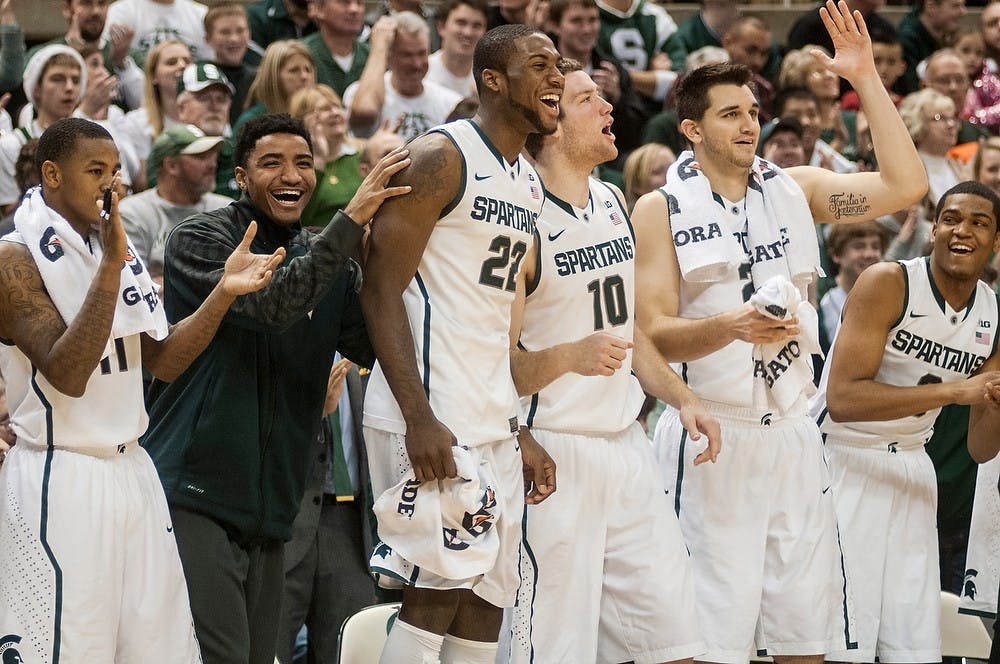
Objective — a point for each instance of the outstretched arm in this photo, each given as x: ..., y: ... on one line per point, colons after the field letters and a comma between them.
x: 658, y: 296
x: 399, y: 236
x: 245, y: 272
x: 901, y: 180
x: 853, y: 393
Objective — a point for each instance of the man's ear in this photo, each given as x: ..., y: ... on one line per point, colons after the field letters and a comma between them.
x: 493, y: 79
x: 691, y: 131
x: 51, y: 175
x: 241, y: 177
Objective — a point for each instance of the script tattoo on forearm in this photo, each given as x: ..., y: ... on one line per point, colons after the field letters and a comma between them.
x: 849, y: 205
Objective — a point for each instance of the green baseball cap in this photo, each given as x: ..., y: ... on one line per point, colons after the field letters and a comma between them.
x: 201, y: 75
x: 180, y: 139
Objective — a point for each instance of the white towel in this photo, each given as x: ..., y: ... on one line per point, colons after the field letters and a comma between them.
x: 777, y: 213
x: 783, y: 371
x: 443, y: 526
x: 982, y: 562
x: 68, y: 265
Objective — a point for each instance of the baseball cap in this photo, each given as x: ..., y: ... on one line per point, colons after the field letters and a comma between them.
x: 180, y: 139
x: 201, y: 75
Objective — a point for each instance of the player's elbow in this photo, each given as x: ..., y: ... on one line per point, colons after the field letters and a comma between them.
x: 72, y: 386
x: 839, y: 406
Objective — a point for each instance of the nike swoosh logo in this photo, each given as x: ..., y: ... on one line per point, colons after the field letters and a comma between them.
x: 913, y: 315
x: 170, y: 529
x: 554, y: 237
x: 480, y: 178
x: 826, y: 489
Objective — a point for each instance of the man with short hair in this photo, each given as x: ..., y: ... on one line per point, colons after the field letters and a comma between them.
x: 574, y: 348
x: 273, y: 20
x: 337, y: 49
x: 400, y: 45
x: 460, y: 24
x: 91, y: 565
x: 782, y: 145
x: 748, y: 42
x: 184, y: 159
x: 231, y: 437
x: 575, y: 25
x: 927, y: 27
x: 439, y: 285
x: 227, y: 33
x: 204, y: 99
x: 54, y: 82
x: 725, y: 253
x: 946, y: 73
x: 916, y: 335
x: 87, y: 21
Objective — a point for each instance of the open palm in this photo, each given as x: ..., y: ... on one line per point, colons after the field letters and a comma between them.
x: 247, y: 272
x: 851, y: 43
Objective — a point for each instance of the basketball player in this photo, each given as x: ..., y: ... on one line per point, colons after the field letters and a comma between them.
x: 912, y: 335
x: 437, y: 297
x: 90, y: 566
x: 601, y: 554
x: 759, y: 525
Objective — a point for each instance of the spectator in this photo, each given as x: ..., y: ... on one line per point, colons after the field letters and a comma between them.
x: 337, y: 49
x: 801, y: 104
x: 507, y: 12
x: 400, y: 45
x: 336, y: 157
x: 379, y: 145
x: 928, y: 27
x: 986, y: 165
x: 982, y: 101
x: 781, y: 143
x: 642, y: 46
x: 989, y: 22
x: 26, y: 175
x: 326, y: 561
x: 748, y: 42
x: 460, y: 24
x: 156, y: 21
x: 277, y: 20
x: 286, y: 68
x: 393, y: 7
x: 574, y: 26
x: 54, y: 81
x: 232, y: 436
x: 890, y: 65
x: 184, y: 159
x: 646, y: 170
x: 87, y: 22
x: 164, y: 66
x: 801, y: 68
x: 945, y: 72
x: 808, y: 28
x: 932, y: 122
x: 706, y: 27
x: 204, y: 97
x: 228, y: 34
x: 11, y: 49
x: 852, y: 248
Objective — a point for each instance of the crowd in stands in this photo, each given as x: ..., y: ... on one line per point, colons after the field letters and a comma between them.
x: 174, y: 80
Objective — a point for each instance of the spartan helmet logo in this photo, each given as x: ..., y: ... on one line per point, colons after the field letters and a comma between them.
x: 8, y: 653
x: 969, y: 587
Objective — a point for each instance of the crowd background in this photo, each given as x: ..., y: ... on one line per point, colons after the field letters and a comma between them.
x: 173, y: 80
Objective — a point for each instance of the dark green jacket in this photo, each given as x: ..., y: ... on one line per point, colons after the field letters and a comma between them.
x: 232, y: 437
x: 327, y: 69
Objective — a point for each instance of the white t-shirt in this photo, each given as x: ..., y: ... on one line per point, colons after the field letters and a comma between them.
x: 438, y: 73
x: 155, y: 22
x: 420, y: 113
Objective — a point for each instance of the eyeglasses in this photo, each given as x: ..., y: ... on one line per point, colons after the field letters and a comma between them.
x: 947, y: 119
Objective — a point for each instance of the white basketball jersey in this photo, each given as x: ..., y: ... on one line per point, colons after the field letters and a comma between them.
x: 111, y: 411
x: 930, y: 343
x: 459, y: 301
x: 585, y: 283
x: 726, y: 375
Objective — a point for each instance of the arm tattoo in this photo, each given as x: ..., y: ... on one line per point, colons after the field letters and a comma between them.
x: 849, y: 205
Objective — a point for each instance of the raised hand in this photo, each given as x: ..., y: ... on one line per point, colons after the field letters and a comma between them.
x: 247, y: 272
x: 852, y: 46
x: 374, y: 189
x: 120, y: 36
x: 110, y: 228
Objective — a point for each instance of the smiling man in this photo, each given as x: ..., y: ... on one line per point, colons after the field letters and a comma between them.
x: 232, y: 436
x: 437, y: 297
x: 724, y: 226
x: 913, y: 334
